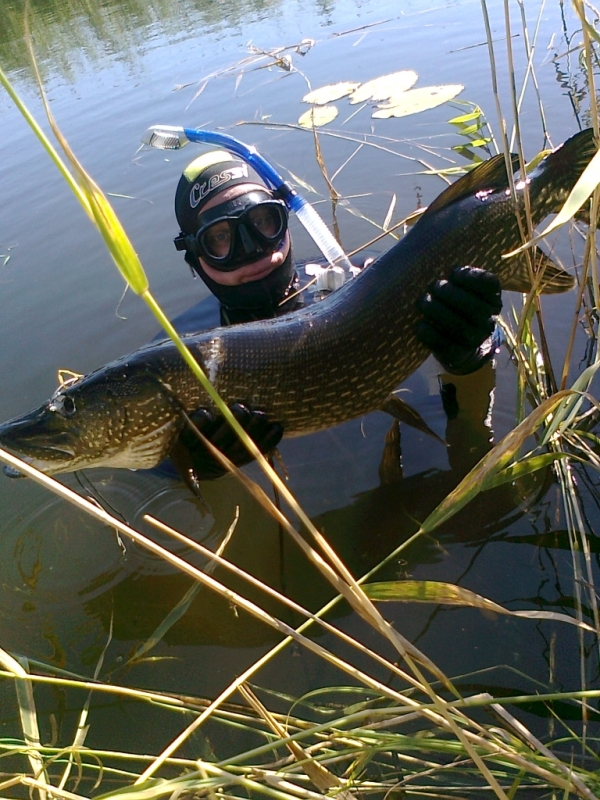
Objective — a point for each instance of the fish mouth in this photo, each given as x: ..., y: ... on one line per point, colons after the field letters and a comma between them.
x: 49, y: 451
x: 46, y: 457
x: 32, y: 438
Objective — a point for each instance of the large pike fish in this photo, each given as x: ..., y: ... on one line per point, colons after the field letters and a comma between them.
x: 310, y: 369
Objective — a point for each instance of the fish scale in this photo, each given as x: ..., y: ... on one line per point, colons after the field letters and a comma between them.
x: 333, y: 361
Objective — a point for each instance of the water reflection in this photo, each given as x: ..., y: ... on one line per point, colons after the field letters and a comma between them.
x: 70, y: 34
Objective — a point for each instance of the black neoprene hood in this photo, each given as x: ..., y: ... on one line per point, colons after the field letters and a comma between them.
x: 204, y: 178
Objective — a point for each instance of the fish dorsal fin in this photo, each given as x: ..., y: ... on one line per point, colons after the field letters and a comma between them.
x: 554, y: 278
x: 490, y: 175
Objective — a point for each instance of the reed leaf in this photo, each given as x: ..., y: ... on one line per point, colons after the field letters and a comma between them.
x: 525, y: 466
x: 321, y: 777
x: 180, y: 609
x: 449, y: 594
x: 28, y: 715
x: 89, y: 194
x: 465, y: 120
x: 389, y: 214
x: 564, y: 415
x: 46, y: 144
x: 477, y: 479
x: 582, y: 191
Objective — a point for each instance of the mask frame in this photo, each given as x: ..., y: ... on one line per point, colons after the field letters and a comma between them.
x: 247, y: 242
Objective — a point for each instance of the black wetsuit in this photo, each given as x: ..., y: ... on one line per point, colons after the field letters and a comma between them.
x: 210, y: 313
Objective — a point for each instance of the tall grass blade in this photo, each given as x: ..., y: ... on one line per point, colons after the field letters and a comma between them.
x: 390, y: 212
x: 536, y: 744
x: 321, y: 777
x: 582, y: 191
x: 180, y: 609
x: 91, y: 196
x: 525, y: 466
x: 564, y: 416
x: 82, y: 724
x: 477, y: 479
x: 449, y: 594
x: 46, y: 144
x: 28, y: 715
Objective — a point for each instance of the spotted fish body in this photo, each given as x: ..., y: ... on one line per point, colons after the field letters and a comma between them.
x: 330, y: 362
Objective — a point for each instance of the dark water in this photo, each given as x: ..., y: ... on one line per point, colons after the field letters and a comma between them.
x: 67, y: 581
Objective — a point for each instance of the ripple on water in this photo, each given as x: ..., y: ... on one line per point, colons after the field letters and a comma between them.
x: 54, y: 554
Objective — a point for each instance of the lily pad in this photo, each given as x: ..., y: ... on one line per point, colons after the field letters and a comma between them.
x: 385, y: 86
x: 327, y: 94
x: 416, y: 100
x: 318, y: 116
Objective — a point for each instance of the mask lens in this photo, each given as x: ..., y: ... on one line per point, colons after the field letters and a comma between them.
x: 268, y: 220
x: 216, y: 239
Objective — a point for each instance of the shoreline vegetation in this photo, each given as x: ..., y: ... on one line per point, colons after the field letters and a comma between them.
x: 401, y: 727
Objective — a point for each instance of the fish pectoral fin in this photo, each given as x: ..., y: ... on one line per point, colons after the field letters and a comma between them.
x: 490, y: 175
x: 554, y: 279
x: 403, y: 412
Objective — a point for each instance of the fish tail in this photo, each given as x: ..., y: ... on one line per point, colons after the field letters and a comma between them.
x: 555, y: 176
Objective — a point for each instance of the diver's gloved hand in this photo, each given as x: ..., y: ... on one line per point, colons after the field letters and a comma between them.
x: 266, y: 435
x: 459, y: 319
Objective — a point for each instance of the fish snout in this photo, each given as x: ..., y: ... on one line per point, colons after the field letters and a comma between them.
x: 37, y: 439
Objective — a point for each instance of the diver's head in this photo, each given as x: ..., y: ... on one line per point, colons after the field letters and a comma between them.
x: 234, y: 232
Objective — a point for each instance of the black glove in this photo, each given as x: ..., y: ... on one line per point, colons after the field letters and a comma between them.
x: 266, y: 435
x: 459, y: 319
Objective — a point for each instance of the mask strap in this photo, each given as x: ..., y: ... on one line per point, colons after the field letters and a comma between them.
x: 187, y: 242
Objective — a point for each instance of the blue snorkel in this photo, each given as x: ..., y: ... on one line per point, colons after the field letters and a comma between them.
x: 167, y: 137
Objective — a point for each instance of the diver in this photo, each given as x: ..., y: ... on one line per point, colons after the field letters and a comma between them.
x: 235, y: 237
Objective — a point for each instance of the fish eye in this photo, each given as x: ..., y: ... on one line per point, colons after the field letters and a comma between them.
x: 63, y: 404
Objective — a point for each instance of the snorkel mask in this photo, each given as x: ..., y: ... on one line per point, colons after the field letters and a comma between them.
x: 238, y: 232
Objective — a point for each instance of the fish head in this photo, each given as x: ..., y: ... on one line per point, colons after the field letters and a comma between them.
x: 114, y: 417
